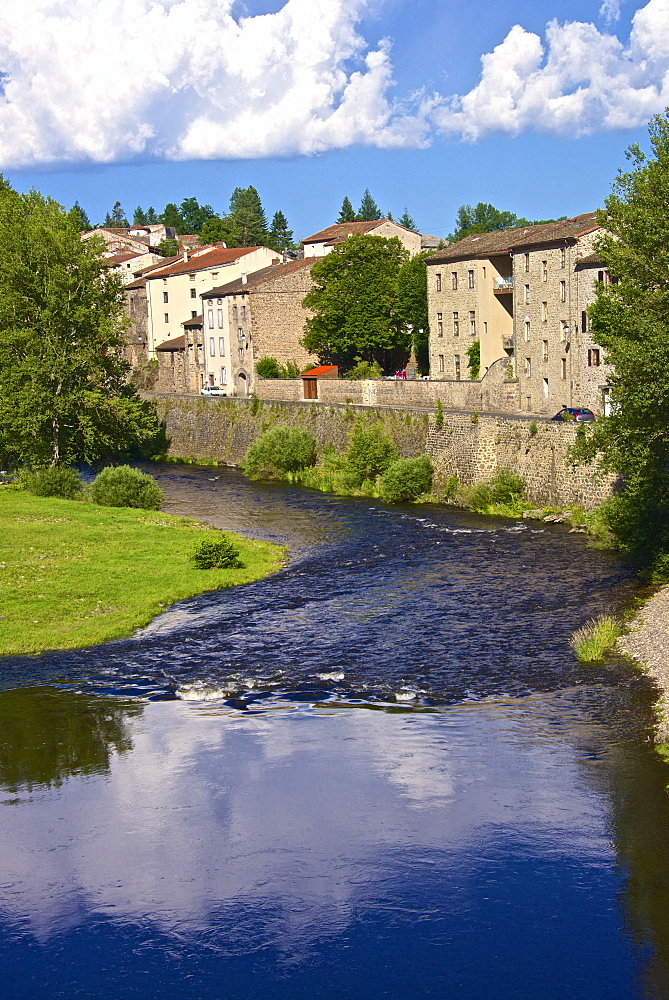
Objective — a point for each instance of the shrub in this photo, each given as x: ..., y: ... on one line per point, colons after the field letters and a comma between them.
x: 595, y: 638
x: 215, y: 553
x: 268, y: 368
x: 291, y: 370
x: 370, y: 451
x: 406, y: 479
x: 533, y: 427
x: 439, y: 419
x: 61, y: 481
x: 365, y: 369
x: 122, y: 486
x: 278, y: 451
x: 507, y: 487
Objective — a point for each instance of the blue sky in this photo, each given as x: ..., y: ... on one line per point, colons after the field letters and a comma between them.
x: 429, y: 103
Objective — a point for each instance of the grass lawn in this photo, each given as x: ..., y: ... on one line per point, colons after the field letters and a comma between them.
x: 74, y: 574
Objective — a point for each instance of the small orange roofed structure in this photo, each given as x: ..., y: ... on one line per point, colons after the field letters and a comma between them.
x: 310, y: 379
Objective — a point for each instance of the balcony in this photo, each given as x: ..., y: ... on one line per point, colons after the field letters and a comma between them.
x: 508, y: 344
x: 503, y: 286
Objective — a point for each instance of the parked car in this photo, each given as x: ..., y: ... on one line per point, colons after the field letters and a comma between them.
x: 580, y: 414
x: 212, y: 390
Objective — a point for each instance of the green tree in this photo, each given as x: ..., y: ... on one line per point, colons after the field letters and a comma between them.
x: 280, y: 236
x: 116, y: 219
x: 79, y: 218
x: 346, y: 213
x: 483, y: 218
x: 194, y: 216
x: 171, y: 216
x: 248, y: 223
x: 139, y: 217
x: 406, y: 220
x: 474, y: 355
x: 151, y: 217
x: 630, y: 320
x: 369, y: 210
x: 64, y: 394
x: 412, y: 290
x: 355, y: 304
x: 216, y: 230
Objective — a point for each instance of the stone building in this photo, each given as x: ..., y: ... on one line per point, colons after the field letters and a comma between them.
x: 522, y: 293
x: 322, y: 243
x: 260, y: 315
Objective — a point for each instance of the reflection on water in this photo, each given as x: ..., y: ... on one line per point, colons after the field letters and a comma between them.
x: 380, y: 773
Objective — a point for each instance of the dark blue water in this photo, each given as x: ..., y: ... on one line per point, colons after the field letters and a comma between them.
x: 379, y: 773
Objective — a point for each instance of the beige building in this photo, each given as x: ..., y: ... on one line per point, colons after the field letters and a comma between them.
x: 259, y: 315
x: 173, y: 291
x: 322, y: 243
x: 522, y: 293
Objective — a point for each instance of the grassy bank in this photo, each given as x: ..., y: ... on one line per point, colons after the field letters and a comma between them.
x: 74, y: 574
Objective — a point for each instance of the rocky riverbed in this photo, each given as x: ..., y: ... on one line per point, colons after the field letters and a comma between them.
x: 648, y: 642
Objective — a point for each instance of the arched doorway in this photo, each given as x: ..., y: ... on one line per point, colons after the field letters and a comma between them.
x: 241, y: 385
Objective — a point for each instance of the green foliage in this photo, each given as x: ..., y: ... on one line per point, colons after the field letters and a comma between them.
x: 168, y: 247
x: 216, y: 231
x: 215, y: 553
x: 365, y: 369
x: 79, y: 218
x: 406, y: 220
x: 64, y: 393
x: 412, y: 305
x: 291, y: 370
x: 255, y: 406
x: 116, y: 218
x: 406, y: 479
x: 346, y: 213
x: 474, y: 355
x: 354, y: 303
x: 630, y: 320
x: 483, y: 218
x: 503, y: 494
x: 193, y: 216
x: 450, y: 489
x: 369, y: 211
x: 57, y: 481
x: 280, y: 236
x: 123, y: 486
x: 439, y: 418
x: 278, y: 451
x: 370, y: 451
x: 595, y: 638
x: 533, y: 428
x: 268, y: 368
x: 248, y: 223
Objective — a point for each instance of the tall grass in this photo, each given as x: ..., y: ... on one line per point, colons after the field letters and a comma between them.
x: 595, y: 638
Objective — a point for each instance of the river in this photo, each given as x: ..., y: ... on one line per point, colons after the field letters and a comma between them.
x: 380, y: 773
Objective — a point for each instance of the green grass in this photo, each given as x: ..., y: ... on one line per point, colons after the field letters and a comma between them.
x: 595, y: 638
x: 75, y: 574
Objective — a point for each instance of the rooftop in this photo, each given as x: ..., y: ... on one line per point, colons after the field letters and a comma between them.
x: 341, y: 230
x: 508, y: 240
x: 202, y: 259
x: 263, y: 277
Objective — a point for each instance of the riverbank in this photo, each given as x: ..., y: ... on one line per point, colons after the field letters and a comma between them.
x: 647, y: 642
x: 75, y: 574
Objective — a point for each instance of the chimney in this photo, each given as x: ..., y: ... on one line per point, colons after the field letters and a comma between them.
x: 244, y: 278
x: 185, y: 255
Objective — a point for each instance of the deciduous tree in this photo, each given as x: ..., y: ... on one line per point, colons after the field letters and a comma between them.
x: 412, y: 289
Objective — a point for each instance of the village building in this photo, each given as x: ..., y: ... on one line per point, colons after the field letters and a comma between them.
x: 257, y: 316
x: 522, y: 294
x: 173, y: 291
x: 322, y: 243
x: 128, y: 263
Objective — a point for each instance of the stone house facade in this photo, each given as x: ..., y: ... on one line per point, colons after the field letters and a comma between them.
x: 260, y: 315
x: 523, y: 294
x: 322, y: 243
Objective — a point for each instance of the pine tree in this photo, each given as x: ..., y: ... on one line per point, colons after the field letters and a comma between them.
x: 369, y: 210
x: 280, y: 236
x: 79, y: 217
x: 406, y: 220
x: 117, y: 219
x: 139, y: 216
x: 248, y: 221
x: 171, y: 216
x: 151, y: 217
x: 346, y: 213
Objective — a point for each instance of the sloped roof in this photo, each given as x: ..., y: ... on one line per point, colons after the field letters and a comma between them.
x: 194, y: 321
x: 176, y: 344
x: 139, y: 283
x: 320, y: 370
x: 340, y: 230
x: 122, y: 257
x: 258, y: 278
x: 506, y: 240
x: 592, y: 260
x: 202, y: 259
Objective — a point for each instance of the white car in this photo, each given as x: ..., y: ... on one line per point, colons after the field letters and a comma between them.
x: 212, y: 390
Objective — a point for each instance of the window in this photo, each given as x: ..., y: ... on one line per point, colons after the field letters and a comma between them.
x: 544, y: 353
x: 527, y: 331
x: 220, y: 319
x: 456, y: 325
x: 528, y: 367
x: 454, y: 280
x: 193, y: 293
x: 441, y: 362
x: 164, y: 281
x: 545, y: 388
x: 593, y: 357
x: 241, y: 353
x: 563, y: 291
x: 527, y: 294
x: 585, y: 326
x: 544, y: 312
x: 483, y: 272
x: 563, y: 368
x: 210, y: 319
x: 214, y: 274
x: 167, y: 317
x: 219, y: 302
x: 212, y: 347
x: 456, y: 367
x: 526, y: 262
x: 440, y: 325
x: 234, y: 312
x: 193, y: 314
x: 564, y: 331
x: 221, y: 346
x: 166, y: 297
x: 437, y: 282
x: 563, y: 257
x: 470, y: 279
x: 544, y: 270
x: 243, y: 312
x: 240, y: 332
x: 191, y: 277
x: 472, y: 322
x: 224, y: 376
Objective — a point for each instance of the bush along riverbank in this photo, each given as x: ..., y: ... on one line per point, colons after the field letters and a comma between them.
x: 75, y: 573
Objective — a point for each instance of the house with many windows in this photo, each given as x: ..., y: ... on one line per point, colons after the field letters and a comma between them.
x: 523, y: 294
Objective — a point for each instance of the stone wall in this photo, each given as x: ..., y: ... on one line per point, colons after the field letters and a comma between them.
x: 471, y: 446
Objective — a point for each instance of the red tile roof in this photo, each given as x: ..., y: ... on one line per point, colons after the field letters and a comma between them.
x: 202, y: 259
x: 340, y: 230
x: 121, y: 257
x: 263, y: 277
x: 176, y: 344
x: 315, y: 372
x: 506, y: 240
x: 194, y: 321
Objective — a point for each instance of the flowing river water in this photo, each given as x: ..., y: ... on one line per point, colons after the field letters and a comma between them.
x: 380, y: 773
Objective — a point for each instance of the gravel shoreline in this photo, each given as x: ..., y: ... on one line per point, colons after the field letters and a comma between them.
x: 647, y: 642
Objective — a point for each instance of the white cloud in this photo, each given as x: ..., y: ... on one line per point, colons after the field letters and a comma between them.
x: 110, y: 80
x: 610, y: 9
x: 579, y: 82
